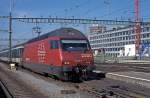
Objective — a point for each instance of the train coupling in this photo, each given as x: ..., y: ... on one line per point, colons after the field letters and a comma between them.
x: 77, y: 70
x: 84, y: 74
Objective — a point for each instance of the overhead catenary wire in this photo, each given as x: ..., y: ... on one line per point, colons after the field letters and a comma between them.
x: 124, y: 9
x: 73, y: 8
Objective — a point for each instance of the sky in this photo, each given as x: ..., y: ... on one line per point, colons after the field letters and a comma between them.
x: 91, y: 9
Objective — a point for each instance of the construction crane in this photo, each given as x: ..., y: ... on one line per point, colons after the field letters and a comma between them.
x: 137, y: 26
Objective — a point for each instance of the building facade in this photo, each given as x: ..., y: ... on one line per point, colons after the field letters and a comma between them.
x: 97, y: 28
x: 113, y: 41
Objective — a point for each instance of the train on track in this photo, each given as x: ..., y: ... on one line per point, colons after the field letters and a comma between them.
x: 64, y: 53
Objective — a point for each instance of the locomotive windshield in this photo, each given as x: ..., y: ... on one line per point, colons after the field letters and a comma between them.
x: 74, y: 45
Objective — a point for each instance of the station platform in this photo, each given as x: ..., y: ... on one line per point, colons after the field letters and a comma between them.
x: 140, y: 62
x: 138, y: 78
x: 24, y: 84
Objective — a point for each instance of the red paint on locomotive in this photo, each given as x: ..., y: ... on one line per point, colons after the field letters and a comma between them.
x: 58, y: 53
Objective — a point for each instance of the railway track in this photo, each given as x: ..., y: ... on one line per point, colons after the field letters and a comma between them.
x: 5, y: 93
x: 107, y: 92
x: 14, y: 88
x: 124, y: 92
x: 113, y: 92
x: 123, y: 67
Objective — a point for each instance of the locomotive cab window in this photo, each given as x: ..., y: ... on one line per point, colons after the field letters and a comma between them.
x: 54, y: 44
x: 75, y: 45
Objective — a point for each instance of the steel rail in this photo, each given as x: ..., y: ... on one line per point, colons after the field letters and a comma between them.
x: 6, y: 90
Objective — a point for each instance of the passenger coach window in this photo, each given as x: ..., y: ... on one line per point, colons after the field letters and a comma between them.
x: 54, y: 44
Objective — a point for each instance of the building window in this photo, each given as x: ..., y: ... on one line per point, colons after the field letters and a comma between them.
x: 123, y: 38
x: 147, y: 28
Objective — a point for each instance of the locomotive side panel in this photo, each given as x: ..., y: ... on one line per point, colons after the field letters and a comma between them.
x: 54, y: 53
x: 64, y: 52
x: 41, y: 57
x: 29, y: 57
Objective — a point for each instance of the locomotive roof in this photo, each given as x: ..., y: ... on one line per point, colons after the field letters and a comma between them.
x: 62, y: 32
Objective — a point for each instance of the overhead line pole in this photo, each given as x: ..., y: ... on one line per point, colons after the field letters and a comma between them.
x: 10, y: 32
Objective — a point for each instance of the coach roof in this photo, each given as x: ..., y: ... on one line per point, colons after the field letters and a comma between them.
x: 62, y: 32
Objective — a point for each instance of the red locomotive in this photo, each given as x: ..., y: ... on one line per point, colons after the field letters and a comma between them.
x: 64, y: 53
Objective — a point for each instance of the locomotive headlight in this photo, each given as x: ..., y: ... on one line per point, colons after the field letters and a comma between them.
x: 66, y: 62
